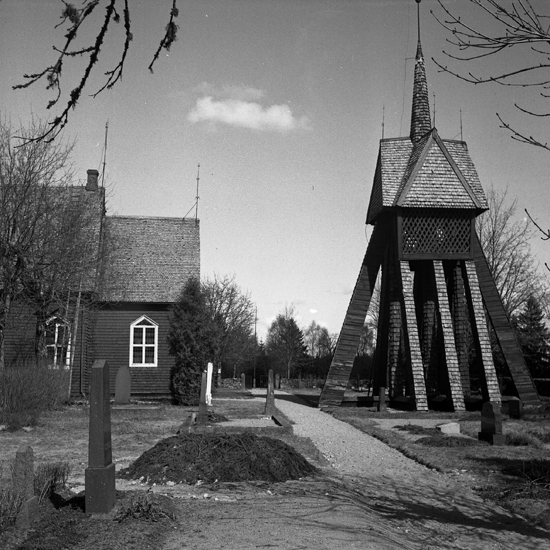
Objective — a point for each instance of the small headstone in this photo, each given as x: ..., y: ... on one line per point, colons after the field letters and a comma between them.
x: 123, y: 386
x: 209, y: 372
x: 270, y: 397
x: 243, y: 381
x: 188, y: 425
x: 203, y: 411
x: 277, y: 381
x: 491, y: 424
x: 515, y: 408
x: 100, y: 474
x: 381, y: 399
x: 23, y: 484
x: 449, y: 428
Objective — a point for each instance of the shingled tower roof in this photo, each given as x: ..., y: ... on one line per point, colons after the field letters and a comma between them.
x: 423, y: 170
x: 421, y: 122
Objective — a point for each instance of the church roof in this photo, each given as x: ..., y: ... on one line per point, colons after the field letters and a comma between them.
x: 149, y: 259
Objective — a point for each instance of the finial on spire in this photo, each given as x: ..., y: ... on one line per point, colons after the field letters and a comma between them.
x: 420, y: 118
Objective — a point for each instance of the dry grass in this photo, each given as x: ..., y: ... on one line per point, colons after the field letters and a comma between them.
x: 513, y: 475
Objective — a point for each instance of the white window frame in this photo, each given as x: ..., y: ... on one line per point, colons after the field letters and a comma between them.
x: 57, y: 345
x: 143, y: 345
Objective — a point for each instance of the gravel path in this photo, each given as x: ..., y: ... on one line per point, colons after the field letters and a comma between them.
x: 415, y: 506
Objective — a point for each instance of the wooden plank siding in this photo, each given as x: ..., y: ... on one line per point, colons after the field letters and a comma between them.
x: 348, y: 341
x: 511, y: 351
x: 111, y: 341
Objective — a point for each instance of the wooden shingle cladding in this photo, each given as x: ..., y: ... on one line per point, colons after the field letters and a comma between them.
x: 434, y: 173
x: 150, y: 259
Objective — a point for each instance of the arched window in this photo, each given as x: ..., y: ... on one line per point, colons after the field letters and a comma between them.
x: 143, y: 343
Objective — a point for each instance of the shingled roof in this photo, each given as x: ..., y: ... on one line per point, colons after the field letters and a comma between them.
x: 150, y: 258
x: 424, y: 171
x: 436, y: 173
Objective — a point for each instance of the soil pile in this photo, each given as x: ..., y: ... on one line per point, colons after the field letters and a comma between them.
x: 219, y: 457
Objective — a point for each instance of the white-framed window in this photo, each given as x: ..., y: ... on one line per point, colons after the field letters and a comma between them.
x: 143, y: 342
x: 58, y: 341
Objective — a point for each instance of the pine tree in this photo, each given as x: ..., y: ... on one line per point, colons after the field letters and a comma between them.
x: 534, y: 338
x: 193, y: 341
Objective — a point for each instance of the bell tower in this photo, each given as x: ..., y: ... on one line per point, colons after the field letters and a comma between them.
x: 437, y: 294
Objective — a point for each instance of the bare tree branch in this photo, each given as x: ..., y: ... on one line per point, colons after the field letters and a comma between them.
x: 519, y: 25
x: 169, y: 37
x: 76, y: 18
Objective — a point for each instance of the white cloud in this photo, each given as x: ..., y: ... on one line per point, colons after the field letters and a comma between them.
x: 230, y: 91
x: 246, y: 114
x: 313, y: 311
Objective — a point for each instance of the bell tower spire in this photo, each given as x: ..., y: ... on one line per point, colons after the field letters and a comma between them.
x: 421, y: 122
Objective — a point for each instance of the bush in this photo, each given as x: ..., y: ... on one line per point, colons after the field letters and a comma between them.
x: 50, y: 477
x: 27, y: 390
x: 10, y: 505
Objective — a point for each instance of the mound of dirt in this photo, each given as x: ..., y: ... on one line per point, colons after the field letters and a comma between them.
x: 223, y: 457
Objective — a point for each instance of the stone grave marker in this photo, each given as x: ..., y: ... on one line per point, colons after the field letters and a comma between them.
x: 99, y: 476
x: 277, y: 381
x: 381, y: 399
x: 23, y: 484
x: 203, y: 411
x: 515, y: 408
x: 209, y: 372
x: 123, y: 386
x: 491, y: 424
x: 243, y: 381
x: 270, y: 396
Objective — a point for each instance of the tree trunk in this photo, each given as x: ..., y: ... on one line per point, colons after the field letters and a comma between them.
x: 40, y: 350
x: 3, y: 321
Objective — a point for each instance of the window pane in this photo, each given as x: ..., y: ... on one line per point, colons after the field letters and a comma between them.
x: 149, y: 335
x: 138, y: 336
x: 136, y: 356
x: 149, y: 354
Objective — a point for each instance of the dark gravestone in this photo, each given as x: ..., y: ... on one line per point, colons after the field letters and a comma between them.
x: 100, y: 474
x: 243, y: 381
x: 123, y: 386
x: 491, y: 424
x: 381, y: 399
x: 515, y: 408
x: 270, y: 397
x: 203, y: 411
x: 277, y: 381
x: 23, y: 485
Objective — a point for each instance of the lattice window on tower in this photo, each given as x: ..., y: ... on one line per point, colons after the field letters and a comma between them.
x: 427, y: 233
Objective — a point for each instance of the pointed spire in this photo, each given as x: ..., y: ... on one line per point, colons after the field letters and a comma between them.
x: 420, y: 117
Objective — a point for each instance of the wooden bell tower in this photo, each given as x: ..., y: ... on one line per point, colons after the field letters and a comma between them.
x: 437, y: 293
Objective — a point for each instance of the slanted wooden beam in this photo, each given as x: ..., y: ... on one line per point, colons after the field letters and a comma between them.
x: 411, y: 338
x: 348, y: 341
x: 511, y: 350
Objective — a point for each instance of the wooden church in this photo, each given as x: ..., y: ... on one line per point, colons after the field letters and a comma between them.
x: 437, y: 295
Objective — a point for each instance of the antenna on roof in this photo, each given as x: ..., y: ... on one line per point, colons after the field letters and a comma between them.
x: 104, y: 155
x: 434, y: 110
x: 461, y: 138
x: 383, y: 117
x: 197, y: 197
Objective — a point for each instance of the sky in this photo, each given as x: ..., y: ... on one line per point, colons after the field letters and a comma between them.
x: 283, y: 104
